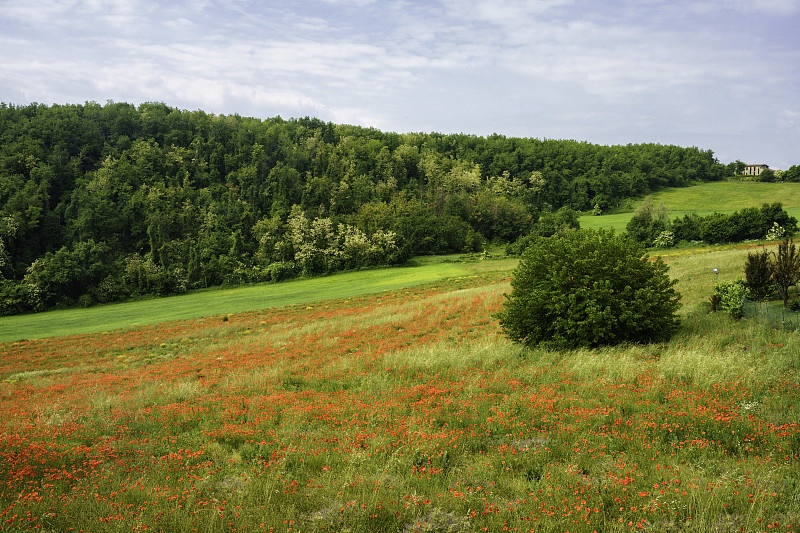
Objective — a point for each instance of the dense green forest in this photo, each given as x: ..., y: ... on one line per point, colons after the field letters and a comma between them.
x: 100, y: 203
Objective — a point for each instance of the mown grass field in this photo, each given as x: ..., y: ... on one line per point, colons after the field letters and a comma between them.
x: 225, y: 301
x: 403, y: 410
x: 707, y: 198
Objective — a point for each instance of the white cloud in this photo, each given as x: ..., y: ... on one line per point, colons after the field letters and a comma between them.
x: 503, y: 12
x: 683, y: 9
x: 772, y: 7
x: 359, y: 3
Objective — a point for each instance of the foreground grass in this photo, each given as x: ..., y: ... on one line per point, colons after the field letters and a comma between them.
x: 234, y: 300
x: 402, y: 411
x: 708, y: 198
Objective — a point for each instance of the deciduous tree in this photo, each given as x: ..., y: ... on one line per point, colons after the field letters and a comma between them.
x: 589, y: 288
x: 757, y: 274
x: 785, y: 268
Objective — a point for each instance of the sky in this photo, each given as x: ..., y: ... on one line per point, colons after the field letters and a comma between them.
x: 721, y: 75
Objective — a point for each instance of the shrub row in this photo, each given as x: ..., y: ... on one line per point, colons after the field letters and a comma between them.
x: 651, y: 226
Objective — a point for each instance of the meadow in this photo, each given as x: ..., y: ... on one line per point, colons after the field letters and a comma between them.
x: 221, y: 301
x: 705, y: 199
x: 404, y: 410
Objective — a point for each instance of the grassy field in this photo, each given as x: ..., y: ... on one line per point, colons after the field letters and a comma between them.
x: 226, y: 301
x: 693, y: 268
x: 403, y: 410
x: 707, y: 198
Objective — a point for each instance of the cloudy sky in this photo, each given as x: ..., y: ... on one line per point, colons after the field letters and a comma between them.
x: 718, y: 74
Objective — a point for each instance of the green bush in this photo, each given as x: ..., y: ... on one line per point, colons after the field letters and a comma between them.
x: 281, y: 270
x: 665, y: 239
x: 647, y: 222
x: 746, y: 224
x: 728, y: 296
x: 767, y: 176
x: 589, y: 288
x: 716, y: 229
x: 142, y: 276
x: 775, y: 232
x: 14, y: 298
x: 758, y: 276
x: 60, y: 278
x: 785, y: 268
x: 687, y: 228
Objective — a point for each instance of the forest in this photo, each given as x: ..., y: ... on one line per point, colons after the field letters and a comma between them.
x: 101, y: 203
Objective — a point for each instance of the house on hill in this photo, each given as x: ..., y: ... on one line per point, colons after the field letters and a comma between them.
x: 754, y: 170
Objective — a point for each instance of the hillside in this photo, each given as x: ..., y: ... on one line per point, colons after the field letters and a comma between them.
x: 403, y: 411
x: 708, y: 198
x: 101, y: 203
x: 690, y: 267
x: 219, y: 302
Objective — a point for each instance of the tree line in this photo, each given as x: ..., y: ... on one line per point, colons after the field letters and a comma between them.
x: 100, y: 203
x: 651, y: 225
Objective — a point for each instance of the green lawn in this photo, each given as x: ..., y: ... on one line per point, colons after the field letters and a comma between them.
x: 728, y: 196
x: 707, y: 198
x: 234, y: 300
x: 616, y: 222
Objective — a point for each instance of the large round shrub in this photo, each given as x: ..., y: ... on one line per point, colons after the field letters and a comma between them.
x: 589, y: 288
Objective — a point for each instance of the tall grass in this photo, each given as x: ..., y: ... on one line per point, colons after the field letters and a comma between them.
x: 694, y: 269
x: 402, y: 411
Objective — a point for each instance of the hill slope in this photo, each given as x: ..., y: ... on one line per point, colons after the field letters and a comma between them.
x: 707, y: 198
x: 397, y: 412
x: 101, y: 203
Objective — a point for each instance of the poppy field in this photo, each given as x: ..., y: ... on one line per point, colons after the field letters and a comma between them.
x: 401, y: 411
